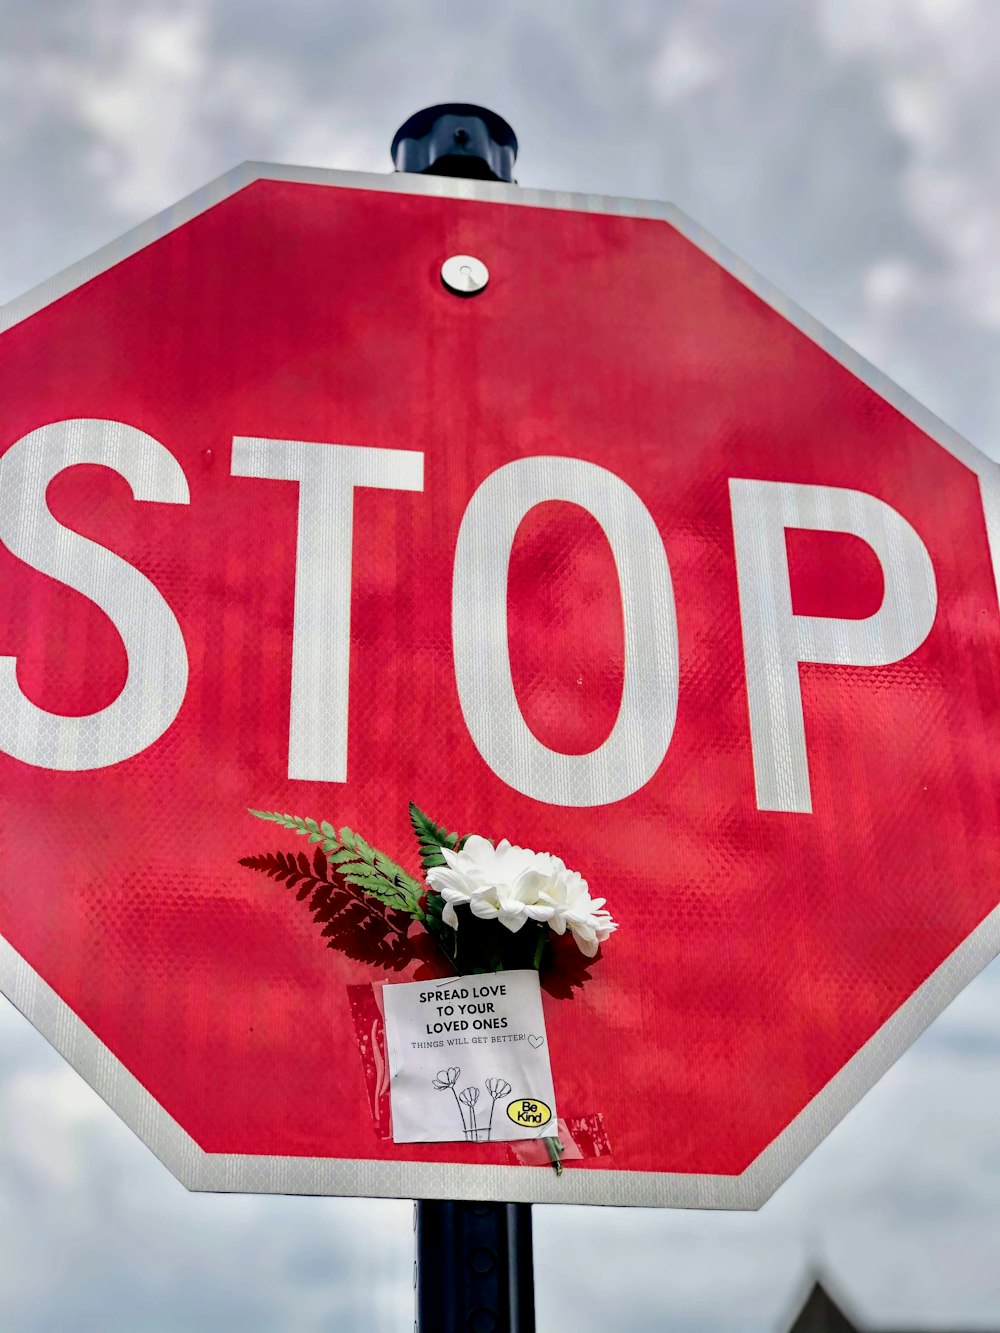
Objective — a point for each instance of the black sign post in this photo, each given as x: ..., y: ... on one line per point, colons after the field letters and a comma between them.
x: 473, y: 1271
x: 474, y: 1268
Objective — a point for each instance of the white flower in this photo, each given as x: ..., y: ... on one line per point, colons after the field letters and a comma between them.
x: 514, y: 885
x: 498, y: 883
x: 573, y: 907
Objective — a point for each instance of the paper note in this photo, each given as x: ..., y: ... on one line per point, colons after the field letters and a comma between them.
x: 469, y: 1060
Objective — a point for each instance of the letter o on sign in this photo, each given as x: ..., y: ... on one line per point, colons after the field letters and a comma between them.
x: 639, y: 739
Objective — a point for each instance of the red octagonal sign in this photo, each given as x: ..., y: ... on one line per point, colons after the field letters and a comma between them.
x: 620, y: 557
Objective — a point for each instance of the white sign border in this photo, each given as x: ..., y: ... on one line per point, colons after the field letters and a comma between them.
x: 200, y: 1170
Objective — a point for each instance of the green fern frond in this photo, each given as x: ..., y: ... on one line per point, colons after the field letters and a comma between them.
x: 431, y: 838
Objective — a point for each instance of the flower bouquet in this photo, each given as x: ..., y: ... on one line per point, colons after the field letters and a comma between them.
x: 489, y: 907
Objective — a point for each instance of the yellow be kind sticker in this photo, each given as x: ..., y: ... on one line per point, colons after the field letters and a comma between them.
x: 527, y: 1112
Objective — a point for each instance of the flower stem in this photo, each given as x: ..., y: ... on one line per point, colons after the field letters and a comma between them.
x: 465, y: 1132
x: 539, y: 950
x: 555, y: 1149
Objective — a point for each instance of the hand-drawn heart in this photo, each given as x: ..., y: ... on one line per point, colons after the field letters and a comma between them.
x: 536, y: 1041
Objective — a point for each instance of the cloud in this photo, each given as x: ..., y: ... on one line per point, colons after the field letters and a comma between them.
x: 141, y: 96
x: 937, y: 64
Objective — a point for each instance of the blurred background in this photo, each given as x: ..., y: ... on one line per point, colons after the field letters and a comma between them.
x: 848, y: 149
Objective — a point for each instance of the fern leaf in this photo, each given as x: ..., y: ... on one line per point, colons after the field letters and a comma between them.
x: 377, y: 887
x: 304, y: 827
x: 349, y: 868
x: 398, y: 875
x: 362, y: 924
x: 377, y: 873
x: 354, y: 859
x: 431, y: 838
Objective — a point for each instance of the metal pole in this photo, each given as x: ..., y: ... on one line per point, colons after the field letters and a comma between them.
x: 474, y: 1269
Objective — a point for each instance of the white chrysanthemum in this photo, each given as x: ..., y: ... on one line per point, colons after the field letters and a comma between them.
x: 574, y: 909
x: 514, y: 885
x: 497, y: 883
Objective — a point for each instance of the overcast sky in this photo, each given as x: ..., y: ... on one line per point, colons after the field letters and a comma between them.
x: 849, y: 150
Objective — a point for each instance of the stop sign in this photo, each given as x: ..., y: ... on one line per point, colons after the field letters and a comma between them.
x: 619, y: 556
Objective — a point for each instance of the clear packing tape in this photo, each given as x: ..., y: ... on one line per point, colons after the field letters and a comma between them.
x: 577, y: 1137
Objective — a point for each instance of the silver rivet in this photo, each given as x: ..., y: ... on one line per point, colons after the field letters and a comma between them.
x: 464, y: 275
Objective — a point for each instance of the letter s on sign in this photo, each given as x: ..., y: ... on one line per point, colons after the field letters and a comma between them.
x: 157, y: 659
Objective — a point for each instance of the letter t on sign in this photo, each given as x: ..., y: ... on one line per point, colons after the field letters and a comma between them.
x: 321, y: 639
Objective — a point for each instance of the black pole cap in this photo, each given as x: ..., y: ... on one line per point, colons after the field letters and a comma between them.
x: 456, y: 139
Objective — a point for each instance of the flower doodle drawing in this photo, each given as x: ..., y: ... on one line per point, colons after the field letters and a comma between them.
x: 467, y: 1100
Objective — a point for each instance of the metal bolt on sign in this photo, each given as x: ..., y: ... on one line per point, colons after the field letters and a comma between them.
x: 464, y: 275
x: 474, y: 1270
